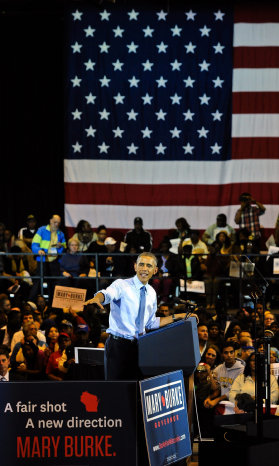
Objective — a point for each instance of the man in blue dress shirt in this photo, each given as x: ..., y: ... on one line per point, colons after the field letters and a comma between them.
x: 133, y: 306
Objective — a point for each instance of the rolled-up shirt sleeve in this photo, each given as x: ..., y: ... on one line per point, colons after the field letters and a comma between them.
x: 112, y: 292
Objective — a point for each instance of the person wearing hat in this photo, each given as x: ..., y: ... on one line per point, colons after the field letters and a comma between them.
x: 27, y: 233
x: 114, y: 264
x: 138, y: 238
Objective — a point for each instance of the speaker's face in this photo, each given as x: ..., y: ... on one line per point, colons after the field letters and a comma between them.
x: 145, y: 269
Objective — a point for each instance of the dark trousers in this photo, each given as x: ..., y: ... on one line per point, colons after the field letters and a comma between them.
x: 121, y: 359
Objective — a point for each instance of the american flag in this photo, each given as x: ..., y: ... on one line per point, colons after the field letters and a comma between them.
x: 170, y: 114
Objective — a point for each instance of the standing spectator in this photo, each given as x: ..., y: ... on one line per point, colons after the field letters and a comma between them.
x: 248, y: 215
x: 85, y: 235
x: 165, y: 280
x: 138, y: 237
x: 183, y: 228
x: 49, y: 239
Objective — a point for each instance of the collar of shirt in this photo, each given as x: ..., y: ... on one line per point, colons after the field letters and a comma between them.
x: 138, y: 284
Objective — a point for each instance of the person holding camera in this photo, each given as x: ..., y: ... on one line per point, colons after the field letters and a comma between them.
x: 248, y: 215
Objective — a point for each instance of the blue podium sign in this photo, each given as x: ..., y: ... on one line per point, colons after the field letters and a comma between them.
x: 165, y: 418
x: 68, y: 423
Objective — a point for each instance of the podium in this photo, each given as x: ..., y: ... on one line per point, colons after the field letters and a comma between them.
x: 170, y: 348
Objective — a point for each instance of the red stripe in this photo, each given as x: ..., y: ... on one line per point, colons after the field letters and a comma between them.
x: 255, y: 102
x: 253, y: 13
x: 186, y: 195
x: 256, y: 57
x: 255, y: 148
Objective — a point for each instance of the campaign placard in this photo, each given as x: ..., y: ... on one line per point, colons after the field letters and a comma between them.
x: 68, y: 423
x: 165, y: 418
x: 65, y: 297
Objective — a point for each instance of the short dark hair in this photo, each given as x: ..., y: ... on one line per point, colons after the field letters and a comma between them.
x: 100, y: 228
x: 245, y: 402
x: 5, y: 351
x: 228, y: 344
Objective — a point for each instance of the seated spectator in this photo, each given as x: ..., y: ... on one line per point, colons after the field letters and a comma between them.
x: 216, y: 267
x: 30, y: 333
x: 225, y: 375
x: 85, y: 235
x: 52, y: 334
x: 73, y: 265
x: 221, y: 225
x: 26, y: 234
x: 4, y: 335
x: 232, y: 332
x: 205, y: 387
x: 165, y: 281
x: 244, y: 403
x: 198, y: 246
x: 269, y: 318
x: 17, y: 265
x: 52, y: 369
x: 164, y: 310
x: 273, y: 239
x: 5, y: 303
x: 7, y: 374
x: 42, y: 306
x: 189, y: 264
x: 98, y: 246
x: 138, y: 237
x: 114, y: 265
x: 211, y: 357
x: 30, y: 361
x: 245, y: 383
x: 214, y: 335
x: 27, y: 316
x: 9, y: 240
x: 274, y: 355
x: 203, y: 337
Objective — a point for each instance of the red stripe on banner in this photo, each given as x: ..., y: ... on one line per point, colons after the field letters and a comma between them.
x: 255, y: 148
x: 162, y: 195
x: 253, y: 13
x: 256, y: 57
x: 255, y: 102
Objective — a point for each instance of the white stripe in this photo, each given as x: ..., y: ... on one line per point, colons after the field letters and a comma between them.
x: 171, y: 172
x: 255, y: 80
x: 255, y: 125
x: 157, y: 218
x: 256, y: 35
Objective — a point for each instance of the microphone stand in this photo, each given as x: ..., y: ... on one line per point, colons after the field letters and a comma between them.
x: 262, y: 375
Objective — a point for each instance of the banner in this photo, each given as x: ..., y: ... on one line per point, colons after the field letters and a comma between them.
x: 68, y: 423
x: 165, y: 418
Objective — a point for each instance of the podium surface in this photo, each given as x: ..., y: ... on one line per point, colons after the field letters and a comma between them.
x: 170, y: 348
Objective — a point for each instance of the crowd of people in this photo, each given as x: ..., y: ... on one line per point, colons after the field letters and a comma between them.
x: 37, y: 341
